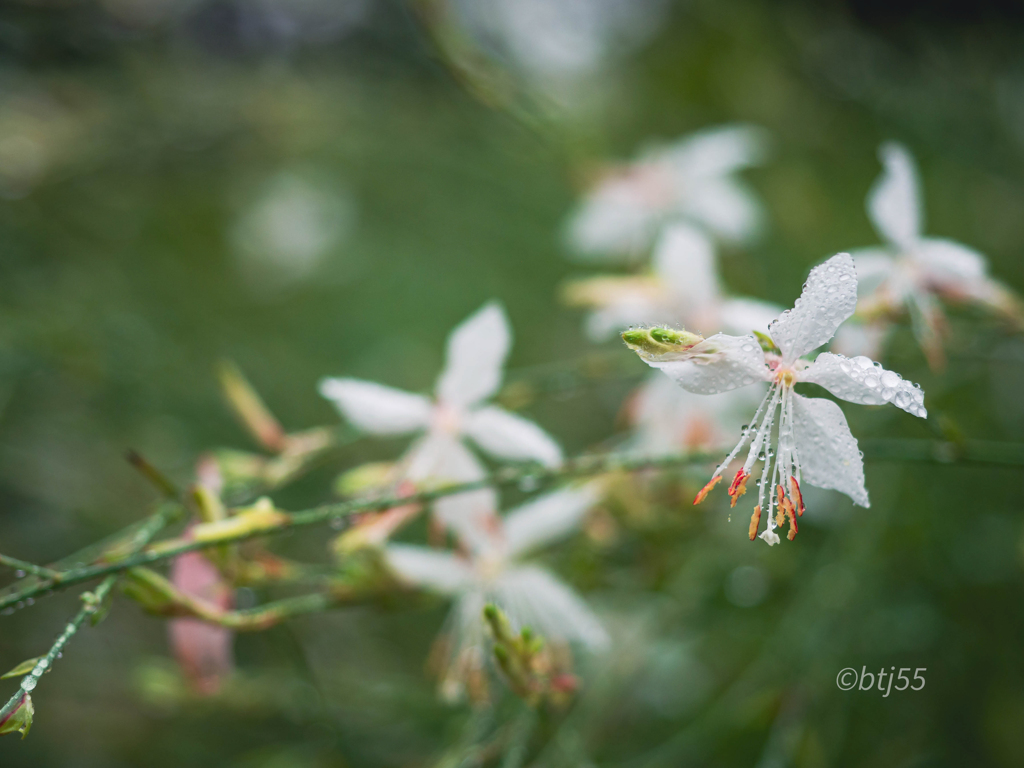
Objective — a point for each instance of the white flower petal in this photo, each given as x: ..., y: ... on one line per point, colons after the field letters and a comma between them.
x: 828, y: 298
x: 533, y: 597
x: 441, y: 458
x: 726, y: 207
x: 894, y: 205
x: 854, y: 339
x: 666, y: 418
x: 741, y: 316
x: 874, y: 267
x: 472, y: 517
x: 860, y: 380
x: 718, y: 364
x: 685, y: 260
x: 949, y: 263
x: 615, y: 220
x: 547, y: 518
x: 430, y: 568
x: 631, y: 310
x: 505, y: 435
x: 828, y: 453
x: 375, y: 408
x: 718, y: 151
x: 476, y: 355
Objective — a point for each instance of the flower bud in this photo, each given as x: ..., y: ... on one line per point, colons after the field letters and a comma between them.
x: 660, y: 344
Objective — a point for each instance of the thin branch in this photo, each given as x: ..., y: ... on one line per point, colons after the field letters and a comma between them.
x: 159, y: 480
x: 164, y: 515
x: 927, y: 451
x: 533, y: 474
x: 35, y: 570
x: 160, y: 597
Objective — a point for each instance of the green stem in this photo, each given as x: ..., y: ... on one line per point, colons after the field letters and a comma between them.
x: 22, y: 565
x: 537, y: 476
x: 927, y: 451
x: 165, y: 514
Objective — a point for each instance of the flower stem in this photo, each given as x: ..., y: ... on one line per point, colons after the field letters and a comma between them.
x: 164, y: 515
x: 22, y: 565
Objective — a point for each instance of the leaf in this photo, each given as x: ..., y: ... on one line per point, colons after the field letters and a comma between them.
x: 20, y: 720
x: 22, y: 669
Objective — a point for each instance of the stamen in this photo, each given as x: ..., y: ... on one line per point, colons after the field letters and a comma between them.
x: 746, y: 433
x: 706, y: 489
x: 797, y: 494
x: 786, y: 507
x: 732, y: 454
x: 738, y: 487
x: 755, y: 520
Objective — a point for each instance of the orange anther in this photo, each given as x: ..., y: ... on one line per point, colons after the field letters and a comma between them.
x: 755, y: 520
x: 738, y: 487
x: 707, y: 489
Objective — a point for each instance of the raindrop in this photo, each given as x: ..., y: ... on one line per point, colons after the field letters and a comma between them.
x: 19, y: 574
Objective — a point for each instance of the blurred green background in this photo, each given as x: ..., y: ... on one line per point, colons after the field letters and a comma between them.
x: 314, y: 188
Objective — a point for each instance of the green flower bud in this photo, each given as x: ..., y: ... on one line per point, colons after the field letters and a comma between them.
x: 660, y: 344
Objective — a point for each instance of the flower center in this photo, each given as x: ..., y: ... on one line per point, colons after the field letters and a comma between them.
x: 447, y: 420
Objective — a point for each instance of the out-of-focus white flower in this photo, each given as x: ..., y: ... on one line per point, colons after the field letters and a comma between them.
x: 285, y: 234
x: 492, y: 571
x: 814, y: 443
x: 560, y: 40
x: 682, y: 289
x: 693, y: 179
x: 475, y: 358
x: 910, y: 271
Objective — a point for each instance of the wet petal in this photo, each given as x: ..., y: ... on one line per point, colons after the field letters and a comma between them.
x: 429, y: 568
x: 828, y: 298
x: 547, y: 518
x: 860, y: 380
x: 476, y: 355
x: 828, y: 453
x: 718, y: 364
x: 894, y: 205
x: 375, y: 408
x: 505, y: 435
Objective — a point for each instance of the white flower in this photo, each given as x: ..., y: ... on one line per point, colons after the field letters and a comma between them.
x: 475, y: 358
x: 492, y: 571
x: 910, y: 270
x: 813, y: 442
x: 682, y: 289
x: 692, y: 179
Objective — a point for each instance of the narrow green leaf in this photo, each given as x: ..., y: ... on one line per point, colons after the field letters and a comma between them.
x: 22, y: 669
